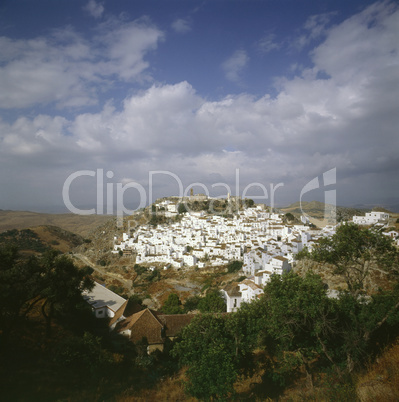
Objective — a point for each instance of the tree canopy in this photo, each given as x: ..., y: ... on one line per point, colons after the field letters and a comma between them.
x: 207, y: 348
x: 51, y: 281
x: 354, y: 251
x: 213, y: 302
x: 172, y: 305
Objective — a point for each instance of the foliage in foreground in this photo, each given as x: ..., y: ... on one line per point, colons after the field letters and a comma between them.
x: 298, y: 327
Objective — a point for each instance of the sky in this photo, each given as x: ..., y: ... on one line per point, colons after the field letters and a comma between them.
x: 111, y: 104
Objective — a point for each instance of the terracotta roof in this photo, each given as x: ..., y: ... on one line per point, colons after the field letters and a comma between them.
x: 143, y: 324
x: 280, y: 258
x: 174, y: 323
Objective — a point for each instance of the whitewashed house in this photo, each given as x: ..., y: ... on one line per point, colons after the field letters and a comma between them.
x: 105, y: 303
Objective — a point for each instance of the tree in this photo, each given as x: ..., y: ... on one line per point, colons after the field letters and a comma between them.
x: 296, y: 323
x: 191, y: 303
x: 61, y: 286
x: 52, y: 281
x: 249, y: 202
x: 172, y: 305
x: 19, y: 284
x: 355, y: 251
x: 365, y: 325
x: 207, y: 348
x: 213, y: 302
x: 289, y: 217
x: 182, y: 208
x: 234, y: 266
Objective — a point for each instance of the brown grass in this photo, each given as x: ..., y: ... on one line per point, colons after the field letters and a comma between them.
x: 170, y: 389
x: 381, y: 381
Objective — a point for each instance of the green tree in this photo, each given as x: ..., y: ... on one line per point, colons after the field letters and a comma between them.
x: 213, y: 302
x: 364, y: 325
x: 61, y: 286
x: 296, y: 322
x: 191, y: 303
x: 19, y: 284
x: 172, y: 305
x: 289, y: 217
x: 354, y: 251
x: 139, y: 269
x: 83, y: 353
x: 249, y: 202
x: 207, y: 348
x: 234, y: 266
x: 182, y: 208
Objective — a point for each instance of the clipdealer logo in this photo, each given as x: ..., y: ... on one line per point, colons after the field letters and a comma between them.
x: 109, y: 191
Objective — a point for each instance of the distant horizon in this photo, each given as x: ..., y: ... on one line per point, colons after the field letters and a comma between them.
x: 63, y: 210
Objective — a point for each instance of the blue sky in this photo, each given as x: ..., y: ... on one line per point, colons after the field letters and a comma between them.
x: 271, y: 91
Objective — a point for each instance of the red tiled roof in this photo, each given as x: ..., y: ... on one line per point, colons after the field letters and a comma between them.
x: 174, y: 323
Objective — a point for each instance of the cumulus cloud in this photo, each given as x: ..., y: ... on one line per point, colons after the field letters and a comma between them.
x: 65, y: 68
x: 234, y: 65
x: 348, y: 121
x: 181, y: 25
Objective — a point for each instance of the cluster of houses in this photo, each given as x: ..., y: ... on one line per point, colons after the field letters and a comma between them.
x: 149, y: 325
x: 259, y: 239
x: 200, y: 239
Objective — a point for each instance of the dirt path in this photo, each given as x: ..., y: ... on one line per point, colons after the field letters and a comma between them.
x: 126, y: 282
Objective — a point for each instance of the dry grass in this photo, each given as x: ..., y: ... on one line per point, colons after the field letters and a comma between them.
x: 381, y: 382
x: 170, y: 389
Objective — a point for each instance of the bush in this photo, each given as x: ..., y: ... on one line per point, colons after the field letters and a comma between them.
x: 139, y: 269
x: 234, y: 266
x: 83, y: 353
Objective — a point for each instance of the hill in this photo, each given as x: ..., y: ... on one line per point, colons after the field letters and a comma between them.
x: 316, y: 210
x: 79, y: 224
x: 41, y: 238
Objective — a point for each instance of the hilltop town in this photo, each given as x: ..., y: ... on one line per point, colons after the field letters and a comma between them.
x: 172, y: 266
x: 265, y: 242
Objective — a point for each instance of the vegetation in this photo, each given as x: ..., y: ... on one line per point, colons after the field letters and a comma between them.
x: 234, y: 266
x: 172, y: 305
x: 298, y: 327
x: 293, y: 333
x: 213, y: 302
x: 25, y: 284
x: 208, y: 351
x: 182, y: 208
x: 353, y: 252
x: 25, y: 239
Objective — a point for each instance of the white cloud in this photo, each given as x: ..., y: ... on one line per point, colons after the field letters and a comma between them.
x: 64, y: 68
x: 96, y: 10
x: 234, y: 65
x: 181, y: 25
x: 348, y: 121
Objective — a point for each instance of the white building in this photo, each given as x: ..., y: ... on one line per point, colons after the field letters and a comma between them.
x: 105, y: 303
x: 371, y: 218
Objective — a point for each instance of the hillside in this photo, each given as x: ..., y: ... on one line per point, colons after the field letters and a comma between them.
x: 315, y: 210
x: 79, y: 224
x: 41, y: 238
